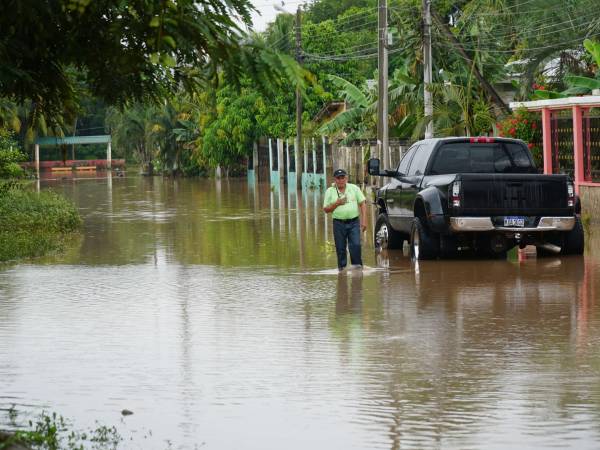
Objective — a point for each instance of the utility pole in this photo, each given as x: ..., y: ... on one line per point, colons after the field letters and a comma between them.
x: 382, y: 104
x: 298, y: 143
x: 427, y: 63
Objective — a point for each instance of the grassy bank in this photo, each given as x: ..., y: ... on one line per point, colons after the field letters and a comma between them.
x: 34, y: 224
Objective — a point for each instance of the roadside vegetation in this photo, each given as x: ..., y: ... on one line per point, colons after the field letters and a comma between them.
x: 53, y: 432
x: 194, y: 94
x: 31, y: 224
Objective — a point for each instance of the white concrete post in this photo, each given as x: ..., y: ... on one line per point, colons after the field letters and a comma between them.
x: 287, y: 158
x: 280, y: 159
x: 37, y: 159
x: 305, y: 157
x: 324, y: 157
x: 108, y: 156
x: 270, y: 159
x: 314, y: 155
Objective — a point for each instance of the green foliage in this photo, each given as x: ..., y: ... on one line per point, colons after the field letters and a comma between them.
x: 523, y: 125
x: 229, y: 138
x: 585, y: 85
x: 127, y: 51
x: 357, y: 121
x: 53, y: 432
x: 33, y: 224
x: 10, y: 156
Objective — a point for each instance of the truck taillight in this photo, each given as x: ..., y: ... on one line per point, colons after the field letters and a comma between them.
x: 455, y: 197
x: 570, y: 195
x: 482, y: 140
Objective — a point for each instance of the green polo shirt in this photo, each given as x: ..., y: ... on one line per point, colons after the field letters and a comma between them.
x: 350, y: 209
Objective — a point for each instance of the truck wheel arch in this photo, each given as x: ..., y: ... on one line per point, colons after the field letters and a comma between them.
x: 428, y: 203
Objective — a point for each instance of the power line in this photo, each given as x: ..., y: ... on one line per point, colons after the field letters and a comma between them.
x: 535, y: 31
x: 559, y: 8
x: 528, y: 49
x: 349, y: 50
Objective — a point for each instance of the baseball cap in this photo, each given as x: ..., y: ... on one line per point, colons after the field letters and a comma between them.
x: 339, y: 173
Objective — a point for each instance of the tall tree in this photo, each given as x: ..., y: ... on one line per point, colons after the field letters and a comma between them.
x: 127, y: 49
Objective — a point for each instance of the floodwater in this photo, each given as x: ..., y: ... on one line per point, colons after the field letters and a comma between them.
x: 214, y: 312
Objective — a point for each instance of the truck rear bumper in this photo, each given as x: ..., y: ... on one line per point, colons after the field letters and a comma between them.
x: 460, y: 224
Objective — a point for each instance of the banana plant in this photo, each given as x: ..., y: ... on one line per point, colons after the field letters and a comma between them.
x: 585, y: 85
x: 578, y: 85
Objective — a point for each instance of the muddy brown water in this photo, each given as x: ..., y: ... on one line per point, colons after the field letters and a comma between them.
x: 214, y: 312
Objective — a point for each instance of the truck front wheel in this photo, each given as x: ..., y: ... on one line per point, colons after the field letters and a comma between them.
x: 424, y: 244
x: 385, y: 237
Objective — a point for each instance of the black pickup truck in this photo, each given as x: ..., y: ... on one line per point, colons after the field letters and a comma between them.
x: 479, y: 194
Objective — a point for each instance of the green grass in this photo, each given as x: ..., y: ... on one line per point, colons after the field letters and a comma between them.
x: 34, y: 224
x: 53, y: 432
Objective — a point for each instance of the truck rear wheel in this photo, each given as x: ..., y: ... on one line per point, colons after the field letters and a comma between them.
x: 574, y: 240
x: 424, y: 244
x: 385, y: 237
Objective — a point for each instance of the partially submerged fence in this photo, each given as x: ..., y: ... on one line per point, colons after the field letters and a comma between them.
x: 275, y: 160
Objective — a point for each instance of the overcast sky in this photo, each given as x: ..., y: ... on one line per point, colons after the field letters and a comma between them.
x: 269, y: 9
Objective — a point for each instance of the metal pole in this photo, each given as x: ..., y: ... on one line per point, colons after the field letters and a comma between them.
x: 298, y: 146
x: 427, y: 63
x: 382, y: 104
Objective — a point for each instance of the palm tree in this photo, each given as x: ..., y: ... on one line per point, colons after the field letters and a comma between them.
x: 135, y: 130
x: 359, y: 120
x: 9, y: 115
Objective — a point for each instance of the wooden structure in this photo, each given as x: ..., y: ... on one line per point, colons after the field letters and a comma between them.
x: 73, y: 140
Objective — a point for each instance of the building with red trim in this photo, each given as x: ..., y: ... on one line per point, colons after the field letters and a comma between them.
x: 571, y: 142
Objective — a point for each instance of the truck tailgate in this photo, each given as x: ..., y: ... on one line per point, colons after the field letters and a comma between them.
x: 518, y: 194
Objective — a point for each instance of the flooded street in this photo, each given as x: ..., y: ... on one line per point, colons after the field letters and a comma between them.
x: 214, y: 311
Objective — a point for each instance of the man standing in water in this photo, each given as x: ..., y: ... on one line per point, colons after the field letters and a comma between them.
x: 347, y: 203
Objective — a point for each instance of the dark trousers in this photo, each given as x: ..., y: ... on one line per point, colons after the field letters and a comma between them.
x: 347, y: 233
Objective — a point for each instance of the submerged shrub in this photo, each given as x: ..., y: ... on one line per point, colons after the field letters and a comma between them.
x: 53, y: 432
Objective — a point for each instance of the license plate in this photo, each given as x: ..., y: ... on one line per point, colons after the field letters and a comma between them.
x: 514, y: 221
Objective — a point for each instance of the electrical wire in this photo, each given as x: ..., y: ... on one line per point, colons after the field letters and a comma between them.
x: 496, y: 39
x: 321, y: 36
x: 528, y: 49
x: 350, y: 50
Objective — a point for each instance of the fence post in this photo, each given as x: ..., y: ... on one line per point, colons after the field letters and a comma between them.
x: 255, y: 157
x: 324, y: 140
x: 314, y: 155
x: 37, y: 160
x: 270, y: 159
x: 280, y: 159
x: 362, y: 163
x: 287, y: 159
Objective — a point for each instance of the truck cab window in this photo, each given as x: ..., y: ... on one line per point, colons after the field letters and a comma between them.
x: 403, y: 167
x: 466, y: 157
x: 420, y: 160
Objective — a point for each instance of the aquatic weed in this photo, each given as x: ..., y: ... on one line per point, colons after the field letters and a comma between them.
x: 53, y: 432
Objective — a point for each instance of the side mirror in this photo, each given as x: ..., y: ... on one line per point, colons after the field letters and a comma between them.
x: 373, y: 166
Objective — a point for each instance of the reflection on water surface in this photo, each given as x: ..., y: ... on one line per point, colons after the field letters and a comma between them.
x: 210, y: 310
